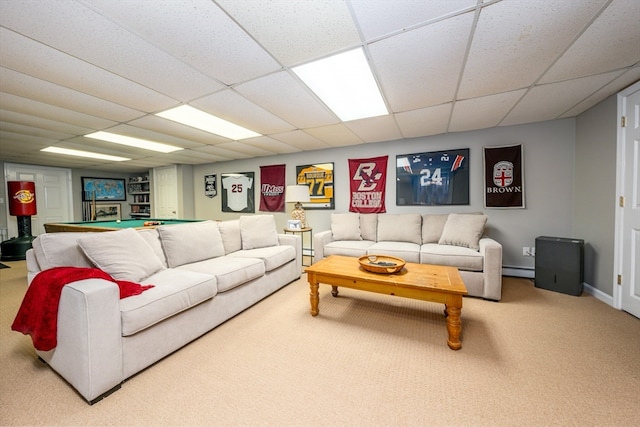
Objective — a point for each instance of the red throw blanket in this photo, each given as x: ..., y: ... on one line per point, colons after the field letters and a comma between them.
x: 38, y: 314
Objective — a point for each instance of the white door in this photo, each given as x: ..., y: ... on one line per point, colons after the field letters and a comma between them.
x: 165, y: 192
x: 627, y: 262
x: 53, y: 195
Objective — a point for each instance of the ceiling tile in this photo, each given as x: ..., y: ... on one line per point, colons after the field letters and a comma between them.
x: 420, y: 68
x: 547, y: 102
x: 483, y: 112
x: 287, y: 98
x: 426, y: 121
x: 320, y: 28
x: 208, y: 39
x: 301, y: 140
x: 35, y: 124
x: 152, y: 135
x: 169, y: 127
x: 335, y: 135
x: 270, y: 144
x: 599, y: 49
x: 516, y: 41
x: 375, y: 129
x: 230, y: 106
x: 245, y: 150
x: 35, y: 59
x: 380, y: 18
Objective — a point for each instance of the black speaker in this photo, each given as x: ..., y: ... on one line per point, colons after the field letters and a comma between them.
x: 560, y: 264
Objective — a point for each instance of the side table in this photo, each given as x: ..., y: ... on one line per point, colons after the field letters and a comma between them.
x: 308, y: 249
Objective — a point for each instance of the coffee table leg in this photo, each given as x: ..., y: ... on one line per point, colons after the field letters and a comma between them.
x: 454, y: 327
x: 314, y: 298
x: 334, y: 291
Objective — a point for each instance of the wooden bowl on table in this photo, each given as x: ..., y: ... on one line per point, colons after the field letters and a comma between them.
x: 382, y: 264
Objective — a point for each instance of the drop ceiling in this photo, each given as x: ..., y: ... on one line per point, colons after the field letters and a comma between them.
x: 69, y: 68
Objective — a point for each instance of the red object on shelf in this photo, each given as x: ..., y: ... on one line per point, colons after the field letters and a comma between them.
x: 22, y: 198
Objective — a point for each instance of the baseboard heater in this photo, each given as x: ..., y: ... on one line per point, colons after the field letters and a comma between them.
x: 514, y: 271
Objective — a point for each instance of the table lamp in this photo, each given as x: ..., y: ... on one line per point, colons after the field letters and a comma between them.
x: 298, y: 194
x: 22, y: 203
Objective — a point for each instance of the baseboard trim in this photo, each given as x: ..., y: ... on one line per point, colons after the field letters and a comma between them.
x: 598, y: 294
x: 526, y: 272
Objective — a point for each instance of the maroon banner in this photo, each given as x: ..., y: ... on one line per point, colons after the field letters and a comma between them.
x: 272, y: 184
x: 367, y: 184
x: 503, y: 177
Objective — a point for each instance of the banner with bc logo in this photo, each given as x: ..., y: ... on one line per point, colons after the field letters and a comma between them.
x: 503, y: 177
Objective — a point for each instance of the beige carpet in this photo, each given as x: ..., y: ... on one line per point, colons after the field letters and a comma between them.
x: 538, y: 358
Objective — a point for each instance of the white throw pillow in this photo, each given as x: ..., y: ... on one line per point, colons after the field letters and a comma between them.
x: 400, y: 228
x: 230, y: 232
x: 463, y: 230
x: 124, y: 254
x: 191, y: 242
x: 432, y: 226
x: 345, y: 226
x: 258, y: 231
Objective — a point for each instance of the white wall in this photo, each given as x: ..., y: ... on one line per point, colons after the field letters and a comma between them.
x: 549, y: 181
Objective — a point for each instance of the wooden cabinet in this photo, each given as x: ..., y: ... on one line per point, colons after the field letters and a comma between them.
x: 139, y: 188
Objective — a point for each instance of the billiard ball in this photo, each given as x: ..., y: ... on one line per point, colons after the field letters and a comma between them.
x: 118, y: 221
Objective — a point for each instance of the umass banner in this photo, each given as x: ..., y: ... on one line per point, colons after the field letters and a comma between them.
x: 503, y: 177
x: 272, y: 180
x: 367, y: 182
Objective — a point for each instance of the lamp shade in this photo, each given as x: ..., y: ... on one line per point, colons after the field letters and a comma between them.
x: 22, y: 198
x: 297, y: 194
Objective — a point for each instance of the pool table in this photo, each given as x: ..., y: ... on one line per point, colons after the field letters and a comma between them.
x: 111, y: 225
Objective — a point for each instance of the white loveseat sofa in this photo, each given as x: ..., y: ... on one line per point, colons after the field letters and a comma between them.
x: 203, y: 274
x: 443, y: 239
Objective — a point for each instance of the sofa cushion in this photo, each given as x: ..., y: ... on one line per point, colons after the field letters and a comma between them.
x: 229, y: 272
x: 432, y: 226
x: 453, y: 256
x: 355, y: 248
x: 258, y: 231
x: 463, y: 230
x: 400, y: 228
x: 152, y: 237
x: 60, y: 250
x: 191, y: 242
x: 124, y: 254
x: 174, y: 291
x: 272, y: 257
x: 345, y: 226
x: 410, y: 252
x: 230, y: 232
x: 369, y: 226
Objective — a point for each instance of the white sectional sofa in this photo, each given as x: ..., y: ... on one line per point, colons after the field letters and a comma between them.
x: 443, y: 239
x: 203, y: 274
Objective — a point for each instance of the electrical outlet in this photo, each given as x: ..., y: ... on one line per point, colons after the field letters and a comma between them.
x: 525, y: 251
x: 532, y: 251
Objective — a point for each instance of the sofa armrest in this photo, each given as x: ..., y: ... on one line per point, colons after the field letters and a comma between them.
x: 492, y: 270
x: 319, y: 240
x: 89, y: 349
x: 292, y: 240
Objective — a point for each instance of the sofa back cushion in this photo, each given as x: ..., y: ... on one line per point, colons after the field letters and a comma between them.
x: 258, y: 231
x: 124, y: 254
x: 463, y: 230
x: 400, y: 228
x: 345, y: 226
x: 191, y: 242
x: 432, y: 226
x: 231, y: 238
x: 60, y: 250
x: 369, y: 227
x: 152, y: 237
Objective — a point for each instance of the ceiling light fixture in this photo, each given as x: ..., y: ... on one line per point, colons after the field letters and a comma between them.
x: 79, y: 153
x: 198, y: 119
x: 133, y: 142
x: 345, y: 83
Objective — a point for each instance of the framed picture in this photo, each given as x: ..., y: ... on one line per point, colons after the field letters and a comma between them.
x: 433, y: 178
x: 319, y: 178
x: 108, y: 212
x: 103, y: 189
x: 237, y: 192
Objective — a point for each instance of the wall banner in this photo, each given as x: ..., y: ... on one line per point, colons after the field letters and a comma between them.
x: 503, y: 177
x: 368, y: 179
x: 210, y: 188
x: 272, y: 184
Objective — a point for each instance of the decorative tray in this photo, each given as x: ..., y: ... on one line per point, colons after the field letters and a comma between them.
x: 383, y: 264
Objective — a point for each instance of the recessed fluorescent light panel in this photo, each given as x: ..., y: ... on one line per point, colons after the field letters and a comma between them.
x: 133, y: 142
x: 193, y: 117
x: 79, y: 153
x: 345, y: 83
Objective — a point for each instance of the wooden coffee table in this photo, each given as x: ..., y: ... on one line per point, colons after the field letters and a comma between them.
x: 418, y: 281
